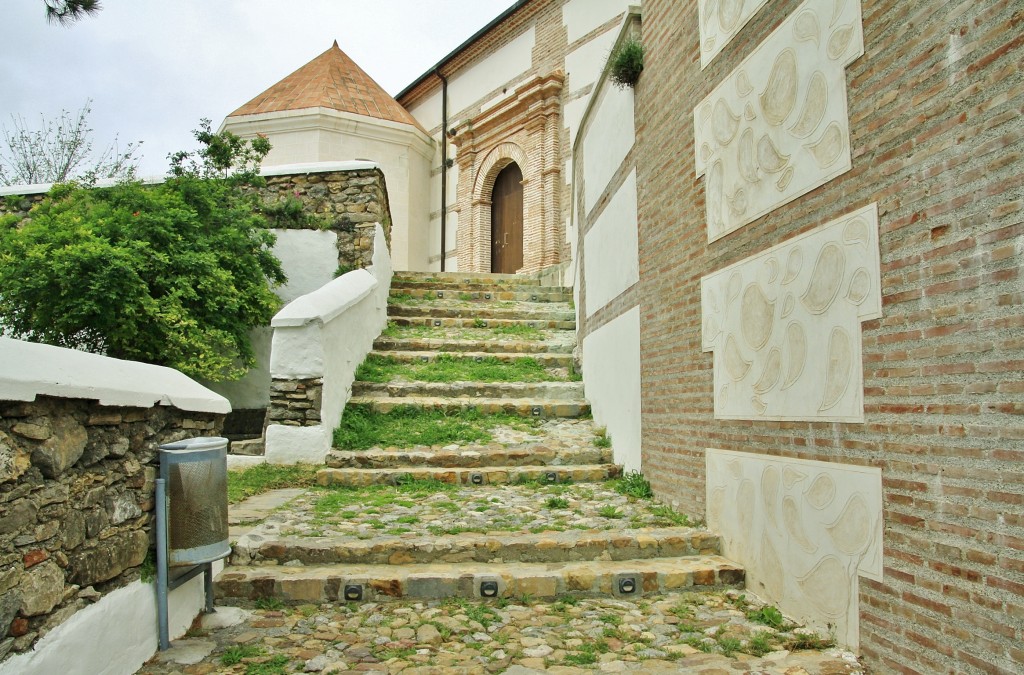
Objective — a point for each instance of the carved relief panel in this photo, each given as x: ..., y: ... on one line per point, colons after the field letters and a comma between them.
x: 784, y: 325
x: 720, y: 21
x: 804, y: 530
x: 777, y: 126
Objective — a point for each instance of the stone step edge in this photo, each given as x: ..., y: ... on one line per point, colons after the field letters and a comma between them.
x: 459, y: 389
x: 576, y: 473
x: 622, y: 578
x: 514, y: 406
x: 464, y: 322
x: 548, y: 360
x: 478, y: 293
x: 414, y: 345
x: 467, y: 457
x: 263, y: 545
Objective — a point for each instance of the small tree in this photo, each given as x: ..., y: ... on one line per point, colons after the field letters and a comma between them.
x: 61, y: 150
x: 174, y: 274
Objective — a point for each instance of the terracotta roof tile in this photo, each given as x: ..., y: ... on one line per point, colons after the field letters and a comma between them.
x: 331, y: 80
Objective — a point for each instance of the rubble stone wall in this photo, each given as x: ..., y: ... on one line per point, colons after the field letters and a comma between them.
x: 76, y: 504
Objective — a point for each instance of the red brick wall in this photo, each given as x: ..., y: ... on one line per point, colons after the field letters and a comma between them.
x: 937, y: 139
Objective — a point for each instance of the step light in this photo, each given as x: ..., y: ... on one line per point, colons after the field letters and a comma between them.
x: 627, y: 586
x: 551, y: 476
x: 479, y: 359
x: 536, y: 411
x: 437, y: 322
x: 440, y: 294
x: 533, y: 298
x: 353, y: 592
x: 425, y: 359
x: 476, y: 478
x: 487, y: 296
x: 488, y: 589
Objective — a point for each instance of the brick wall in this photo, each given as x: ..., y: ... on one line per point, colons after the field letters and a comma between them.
x: 935, y: 106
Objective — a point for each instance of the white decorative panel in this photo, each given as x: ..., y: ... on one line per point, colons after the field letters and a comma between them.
x: 785, y: 324
x: 720, y: 20
x: 804, y: 531
x: 777, y: 127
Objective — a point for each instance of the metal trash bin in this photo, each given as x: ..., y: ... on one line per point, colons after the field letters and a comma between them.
x: 191, y: 517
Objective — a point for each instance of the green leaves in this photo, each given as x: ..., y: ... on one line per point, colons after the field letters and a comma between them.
x: 174, y: 274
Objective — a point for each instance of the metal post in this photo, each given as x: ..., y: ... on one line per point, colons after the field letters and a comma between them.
x: 161, y: 563
x: 208, y: 587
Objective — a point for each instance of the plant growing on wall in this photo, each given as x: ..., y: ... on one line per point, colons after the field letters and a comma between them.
x: 626, y: 63
x: 174, y: 274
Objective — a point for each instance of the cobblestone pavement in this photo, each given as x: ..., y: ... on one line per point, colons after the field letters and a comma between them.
x: 671, y: 633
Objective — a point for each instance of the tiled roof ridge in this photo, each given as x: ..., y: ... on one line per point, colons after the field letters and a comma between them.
x: 334, y: 81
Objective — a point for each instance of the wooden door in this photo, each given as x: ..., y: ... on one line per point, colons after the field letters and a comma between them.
x: 507, y: 221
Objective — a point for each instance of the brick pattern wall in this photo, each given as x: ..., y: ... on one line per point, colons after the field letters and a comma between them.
x: 76, y: 505
x: 935, y: 107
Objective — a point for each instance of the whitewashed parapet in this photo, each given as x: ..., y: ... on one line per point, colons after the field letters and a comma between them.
x: 319, y: 341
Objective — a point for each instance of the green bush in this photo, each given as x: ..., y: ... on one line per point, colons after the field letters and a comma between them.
x: 626, y: 63
x: 173, y: 274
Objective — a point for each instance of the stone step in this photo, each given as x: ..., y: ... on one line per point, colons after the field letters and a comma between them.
x: 535, y: 391
x: 485, y: 475
x: 413, y: 344
x: 263, y: 547
x: 482, y: 294
x: 556, y: 360
x: 621, y: 578
x: 470, y: 457
x: 512, y: 406
x: 464, y: 278
x: 481, y: 311
x: 478, y: 322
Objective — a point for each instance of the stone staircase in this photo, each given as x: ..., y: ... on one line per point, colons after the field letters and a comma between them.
x: 454, y: 553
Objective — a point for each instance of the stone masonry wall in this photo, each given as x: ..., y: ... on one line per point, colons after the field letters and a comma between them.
x: 295, y: 403
x: 345, y: 202
x: 76, y: 504
x: 936, y: 140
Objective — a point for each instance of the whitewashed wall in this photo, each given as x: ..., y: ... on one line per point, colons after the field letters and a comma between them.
x: 605, y: 224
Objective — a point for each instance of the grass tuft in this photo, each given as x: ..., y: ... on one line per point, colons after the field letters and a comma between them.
x: 263, y: 477
x: 451, y: 368
x: 406, y: 426
x: 633, y: 484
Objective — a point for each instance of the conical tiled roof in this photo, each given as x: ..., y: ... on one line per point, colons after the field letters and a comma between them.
x: 331, y: 80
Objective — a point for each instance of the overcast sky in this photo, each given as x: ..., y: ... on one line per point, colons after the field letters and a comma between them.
x: 153, y: 68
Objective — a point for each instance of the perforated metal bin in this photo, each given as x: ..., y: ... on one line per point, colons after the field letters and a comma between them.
x: 195, y: 472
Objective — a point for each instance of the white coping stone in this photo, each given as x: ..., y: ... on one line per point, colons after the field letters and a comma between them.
x: 281, y: 170
x: 292, y: 445
x: 115, y: 636
x: 242, y: 462
x: 28, y: 370
x: 326, y: 302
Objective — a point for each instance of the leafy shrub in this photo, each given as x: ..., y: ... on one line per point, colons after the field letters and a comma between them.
x: 174, y: 274
x: 626, y: 63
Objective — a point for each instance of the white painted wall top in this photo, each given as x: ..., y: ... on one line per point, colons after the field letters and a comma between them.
x: 584, y: 65
x: 504, y: 65
x: 308, y: 257
x: 28, y: 370
x: 327, y: 302
x: 582, y: 16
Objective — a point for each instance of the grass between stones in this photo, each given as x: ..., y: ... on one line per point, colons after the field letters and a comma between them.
x: 451, y: 368
x: 511, y: 332
x: 263, y: 477
x: 362, y: 427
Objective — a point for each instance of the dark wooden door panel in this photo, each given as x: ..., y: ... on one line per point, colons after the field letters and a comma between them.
x: 507, y: 221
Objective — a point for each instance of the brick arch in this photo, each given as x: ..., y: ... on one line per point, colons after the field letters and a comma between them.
x: 497, y: 159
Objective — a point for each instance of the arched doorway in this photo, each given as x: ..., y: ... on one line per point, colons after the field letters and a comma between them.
x: 507, y: 221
